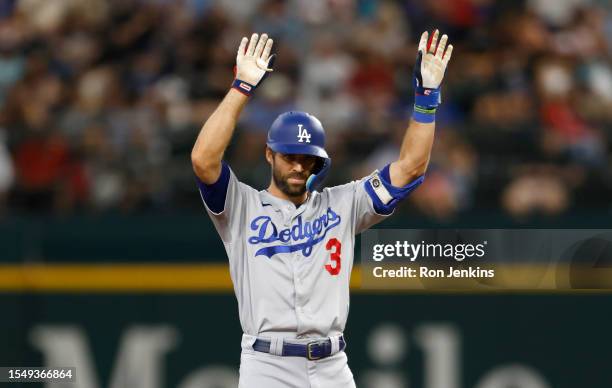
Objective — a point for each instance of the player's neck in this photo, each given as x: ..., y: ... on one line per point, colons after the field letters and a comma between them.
x: 297, y: 200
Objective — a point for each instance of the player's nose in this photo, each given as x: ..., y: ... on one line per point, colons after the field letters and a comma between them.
x: 302, y: 163
x: 298, y: 166
x: 297, y: 169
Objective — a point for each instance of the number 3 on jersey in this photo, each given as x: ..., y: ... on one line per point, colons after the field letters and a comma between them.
x: 334, y: 256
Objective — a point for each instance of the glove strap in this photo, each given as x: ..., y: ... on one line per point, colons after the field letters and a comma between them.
x: 423, y: 115
x: 426, y: 102
x: 243, y: 87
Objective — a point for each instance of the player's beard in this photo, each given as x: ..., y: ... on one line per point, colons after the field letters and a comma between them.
x: 282, y: 182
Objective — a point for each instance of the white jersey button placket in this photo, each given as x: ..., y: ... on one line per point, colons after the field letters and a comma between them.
x: 298, y: 289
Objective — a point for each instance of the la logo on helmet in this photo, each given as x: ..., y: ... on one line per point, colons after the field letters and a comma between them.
x: 303, y: 134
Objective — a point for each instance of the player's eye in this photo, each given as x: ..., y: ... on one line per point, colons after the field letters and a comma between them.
x: 289, y: 157
x: 304, y: 160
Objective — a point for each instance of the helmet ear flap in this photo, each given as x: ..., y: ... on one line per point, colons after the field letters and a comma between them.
x: 318, y: 165
x: 315, y: 180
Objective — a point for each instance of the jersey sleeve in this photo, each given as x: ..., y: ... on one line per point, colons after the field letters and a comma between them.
x: 376, y: 198
x: 224, y: 201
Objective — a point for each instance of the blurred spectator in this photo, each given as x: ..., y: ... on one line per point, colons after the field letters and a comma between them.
x: 536, y: 191
x: 101, y: 100
x: 274, y: 97
x: 325, y: 75
x: 555, y: 12
x: 451, y: 179
x: 7, y: 173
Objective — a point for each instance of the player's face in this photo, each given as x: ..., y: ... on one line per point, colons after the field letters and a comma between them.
x: 290, y: 172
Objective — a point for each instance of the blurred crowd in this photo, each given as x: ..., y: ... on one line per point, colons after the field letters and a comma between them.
x: 101, y: 100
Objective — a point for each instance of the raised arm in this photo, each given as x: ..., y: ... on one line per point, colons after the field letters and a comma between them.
x: 428, y: 74
x: 252, y: 64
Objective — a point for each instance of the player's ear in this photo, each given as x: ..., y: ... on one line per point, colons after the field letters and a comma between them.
x: 269, y: 155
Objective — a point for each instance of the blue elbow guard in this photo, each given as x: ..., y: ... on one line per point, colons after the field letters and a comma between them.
x: 385, y: 196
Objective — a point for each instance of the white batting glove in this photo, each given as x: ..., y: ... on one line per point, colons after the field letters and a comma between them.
x: 253, y: 62
x: 434, y: 59
x: 428, y: 74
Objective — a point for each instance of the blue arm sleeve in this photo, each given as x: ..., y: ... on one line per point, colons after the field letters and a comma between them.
x: 214, y: 194
x: 397, y: 193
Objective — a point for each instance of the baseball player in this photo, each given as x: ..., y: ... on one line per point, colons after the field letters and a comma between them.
x: 290, y: 246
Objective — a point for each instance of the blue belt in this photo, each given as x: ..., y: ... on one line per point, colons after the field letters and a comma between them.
x: 314, y: 350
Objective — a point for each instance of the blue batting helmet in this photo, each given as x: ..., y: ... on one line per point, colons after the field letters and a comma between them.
x: 301, y: 133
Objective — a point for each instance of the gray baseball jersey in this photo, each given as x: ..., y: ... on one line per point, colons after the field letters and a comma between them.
x: 290, y: 265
